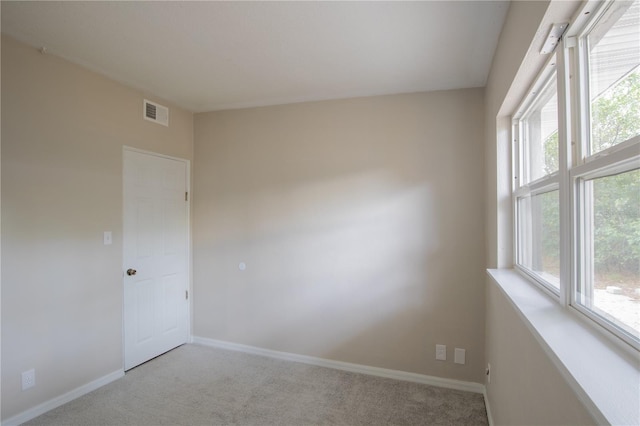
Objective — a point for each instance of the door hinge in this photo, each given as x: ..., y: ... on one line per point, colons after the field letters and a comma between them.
x: 186, y: 196
x: 186, y: 295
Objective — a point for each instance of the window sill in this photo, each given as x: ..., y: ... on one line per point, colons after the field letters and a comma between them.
x: 605, y: 377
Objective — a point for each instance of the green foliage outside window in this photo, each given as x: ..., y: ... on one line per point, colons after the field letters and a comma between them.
x: 615, y: 118
x: 615, y: 115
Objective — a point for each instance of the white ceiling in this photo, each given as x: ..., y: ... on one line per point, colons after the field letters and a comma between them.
x: 208, y: 56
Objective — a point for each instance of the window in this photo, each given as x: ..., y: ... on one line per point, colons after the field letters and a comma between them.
x: 540, y: 134
x: 591, y: 178
x: 612, y: 53
x: 610, y: 231
x: 537, y: 191
x: 606, y: 177
x: 540, y: 247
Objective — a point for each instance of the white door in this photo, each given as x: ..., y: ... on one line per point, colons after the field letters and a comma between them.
x: 155, y: 256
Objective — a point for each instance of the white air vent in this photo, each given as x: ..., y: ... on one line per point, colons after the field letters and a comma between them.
x: 155, y: 112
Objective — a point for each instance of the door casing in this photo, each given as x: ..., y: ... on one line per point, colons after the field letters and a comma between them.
x: 188, y: 274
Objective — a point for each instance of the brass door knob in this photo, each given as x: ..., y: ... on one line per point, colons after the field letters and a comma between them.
x: 131, y: 271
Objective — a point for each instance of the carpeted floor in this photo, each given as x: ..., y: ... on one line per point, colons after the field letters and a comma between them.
x: 196, y: 385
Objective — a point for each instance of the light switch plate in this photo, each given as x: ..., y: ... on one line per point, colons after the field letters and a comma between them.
x: 459, y: 356
x: 107, y: 238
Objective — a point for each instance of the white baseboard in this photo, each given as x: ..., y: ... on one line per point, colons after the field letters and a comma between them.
x: 34, y: 412
x: 346, y: 366
x: 488, y: 407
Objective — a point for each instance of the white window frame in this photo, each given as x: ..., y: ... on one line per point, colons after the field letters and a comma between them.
x: 550, y: 182
x: 575, y: 167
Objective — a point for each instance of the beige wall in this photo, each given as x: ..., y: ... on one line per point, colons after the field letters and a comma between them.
x: 526, y: 388
x: 361, y: 225
x: 63, y: 129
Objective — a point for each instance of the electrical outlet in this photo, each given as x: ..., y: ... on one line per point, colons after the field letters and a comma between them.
x: 441, y: 352
x: 459, y: 356
x: 28, y: 379
x: 488, y: 373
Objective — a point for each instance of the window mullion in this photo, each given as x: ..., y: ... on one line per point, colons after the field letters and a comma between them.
x: 583, y: 111
x: 565, y: 163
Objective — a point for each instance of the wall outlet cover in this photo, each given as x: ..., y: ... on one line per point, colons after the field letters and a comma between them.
x: 28, y: 379
x: 441, y: 352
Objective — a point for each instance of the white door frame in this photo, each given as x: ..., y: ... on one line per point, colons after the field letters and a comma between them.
x: 189, y: 258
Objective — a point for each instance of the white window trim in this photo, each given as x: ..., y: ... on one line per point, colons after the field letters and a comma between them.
x: 543, y: 184
x: 574, y: 166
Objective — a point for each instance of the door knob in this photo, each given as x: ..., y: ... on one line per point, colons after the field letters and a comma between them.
x: 131, y: 271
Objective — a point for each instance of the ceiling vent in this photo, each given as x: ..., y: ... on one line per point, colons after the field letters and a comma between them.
x: 156, y: 113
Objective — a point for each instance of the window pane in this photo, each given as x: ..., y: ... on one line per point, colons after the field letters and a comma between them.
x: 540, y: 125
x: 614, y: 76
x: 612, y: 285
x: 539, y: 236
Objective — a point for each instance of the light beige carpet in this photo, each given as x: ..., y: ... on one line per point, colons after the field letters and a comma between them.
x: 196, y: 385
